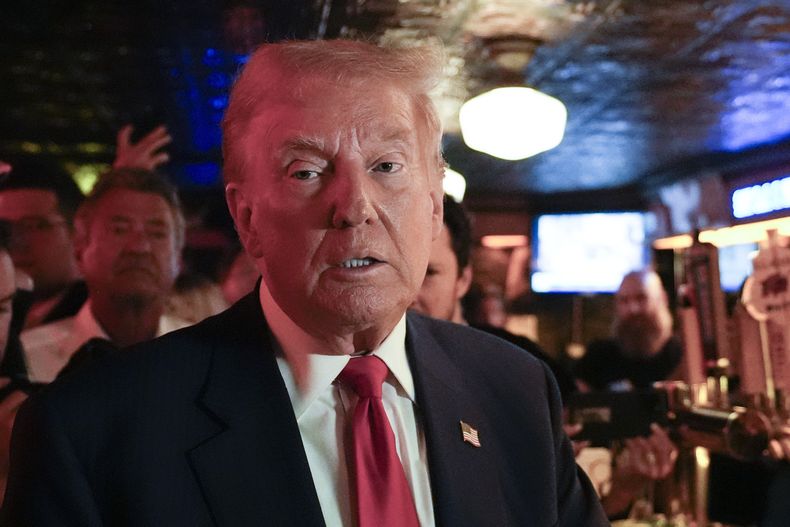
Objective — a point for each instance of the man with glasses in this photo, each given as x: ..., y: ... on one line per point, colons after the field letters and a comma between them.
x: 39, y: 202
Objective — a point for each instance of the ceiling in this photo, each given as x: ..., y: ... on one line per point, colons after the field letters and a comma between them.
x: 656, y: 90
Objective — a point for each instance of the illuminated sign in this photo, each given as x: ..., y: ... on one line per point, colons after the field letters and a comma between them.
x: 761, y: 199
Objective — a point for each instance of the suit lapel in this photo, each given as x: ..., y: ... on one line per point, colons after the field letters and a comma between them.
x: 253, y: 470
x: 464, y: 482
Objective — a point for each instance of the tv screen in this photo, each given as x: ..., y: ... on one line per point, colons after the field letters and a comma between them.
x: 586, y: 253
x: 735, y: 264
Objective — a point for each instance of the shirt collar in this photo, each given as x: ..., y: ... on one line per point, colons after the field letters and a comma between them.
x: 86, y: 326
x: 321, y: 369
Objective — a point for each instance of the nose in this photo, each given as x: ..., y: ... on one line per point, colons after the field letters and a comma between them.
x: 353, y: 199
x: 635, y: 306
x: 138, y: 241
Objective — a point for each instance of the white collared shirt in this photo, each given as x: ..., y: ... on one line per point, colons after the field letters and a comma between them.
x: 323, y: 411
x: 48, y: 348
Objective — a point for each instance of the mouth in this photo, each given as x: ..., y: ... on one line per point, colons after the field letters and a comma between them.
x: 354, y: 263
x: 137, y: 269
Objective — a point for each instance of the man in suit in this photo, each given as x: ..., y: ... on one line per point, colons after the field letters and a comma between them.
x: 333, y: 177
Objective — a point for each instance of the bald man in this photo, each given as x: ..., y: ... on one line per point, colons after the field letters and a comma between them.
x: 643, y: 349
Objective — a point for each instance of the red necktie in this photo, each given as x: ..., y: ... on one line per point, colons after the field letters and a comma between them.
x: 383, y: 495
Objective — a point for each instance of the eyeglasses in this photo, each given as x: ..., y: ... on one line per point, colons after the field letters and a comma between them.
x: 34, y: 225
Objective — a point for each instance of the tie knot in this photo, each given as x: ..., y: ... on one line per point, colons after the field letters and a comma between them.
x: 364, y: 375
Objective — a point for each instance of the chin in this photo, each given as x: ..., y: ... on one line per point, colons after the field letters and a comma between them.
x: 137, y: 298
x: 364, y: 308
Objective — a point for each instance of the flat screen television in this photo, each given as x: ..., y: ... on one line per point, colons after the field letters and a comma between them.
x: 735, y: 264
x: 588, y: 252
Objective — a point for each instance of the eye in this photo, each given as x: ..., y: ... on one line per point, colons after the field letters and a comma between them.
x: 119, y: 228
x: 305, y: 175
x: 387, y: 167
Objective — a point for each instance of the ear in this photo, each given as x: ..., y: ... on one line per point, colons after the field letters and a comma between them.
x: 464, y: 282
x: 241, y: 212
x: 437, y: 215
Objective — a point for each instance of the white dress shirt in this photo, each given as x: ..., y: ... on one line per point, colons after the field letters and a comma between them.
x: 48, y: 348
x: 323, y: 412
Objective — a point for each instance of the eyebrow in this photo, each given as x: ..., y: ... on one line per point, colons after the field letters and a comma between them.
x: 124, y: 219
x: 397, y: 136
x: 310, y: 144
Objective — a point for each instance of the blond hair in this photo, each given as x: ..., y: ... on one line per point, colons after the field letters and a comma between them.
x: 414, y: 70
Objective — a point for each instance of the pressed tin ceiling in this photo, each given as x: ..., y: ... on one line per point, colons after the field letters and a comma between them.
x: 653, y: 89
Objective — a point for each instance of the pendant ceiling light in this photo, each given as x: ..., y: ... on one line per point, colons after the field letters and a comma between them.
x: 513, y: 123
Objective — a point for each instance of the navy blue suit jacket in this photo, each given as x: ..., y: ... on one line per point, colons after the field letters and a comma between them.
x: 196, y: 429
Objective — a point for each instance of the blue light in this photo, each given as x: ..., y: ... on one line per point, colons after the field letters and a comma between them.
x: 756, y: 106
x: 212, y: 58
x: 203, y: 173
x: 218, y: 80
x: 219, y: 102
x: 761, y: 199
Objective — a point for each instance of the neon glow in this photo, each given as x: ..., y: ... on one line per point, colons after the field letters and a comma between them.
x: 761, y: 199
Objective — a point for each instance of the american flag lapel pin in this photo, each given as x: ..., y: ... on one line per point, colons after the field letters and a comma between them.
x: 470, y: 435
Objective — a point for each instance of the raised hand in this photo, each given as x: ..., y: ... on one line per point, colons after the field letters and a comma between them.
x: 143, y: 154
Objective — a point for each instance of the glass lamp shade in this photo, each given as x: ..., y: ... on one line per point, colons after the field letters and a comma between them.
x: 513, y: 123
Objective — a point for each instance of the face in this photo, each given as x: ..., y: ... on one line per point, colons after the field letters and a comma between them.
x: 637, y: 296
x: 443, y: 286
x: 127, y: 247
x: 7, y: 290
x: 337, y: 206
x: 41, y: 243
x: 643, y: 321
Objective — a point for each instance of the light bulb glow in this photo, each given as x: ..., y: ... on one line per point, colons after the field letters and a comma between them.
x: 513, y: 123
x: 454, y: 185
x: 727, y: 236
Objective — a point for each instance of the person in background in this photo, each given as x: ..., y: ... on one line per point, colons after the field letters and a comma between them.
x: 315, y: 400
x: 12, y: 395
x: 448, y: 280
x: 129, y: 233
x: 39, y: 201
x: 195, y: 298
x: 643, y: 349
x: 485, y: 305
